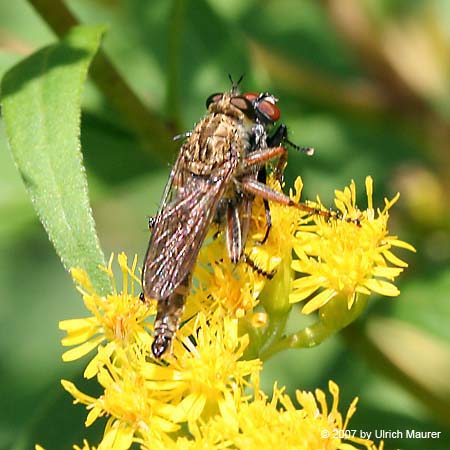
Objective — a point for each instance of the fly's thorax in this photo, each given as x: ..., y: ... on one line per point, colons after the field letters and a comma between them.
x: 217, y: 140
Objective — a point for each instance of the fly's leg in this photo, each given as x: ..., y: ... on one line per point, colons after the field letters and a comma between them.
x: 266, y: 193
x: 262, y: 178
x: 168, y: 317
x: 275, y: 140
x: 245, y: 215
x: 237, y: 226
x: 233, y: 232
x: 257, y: 269
x: 251, y: 186
x: 262, y: 156
x: 280, y: 136
x: 151, y: 223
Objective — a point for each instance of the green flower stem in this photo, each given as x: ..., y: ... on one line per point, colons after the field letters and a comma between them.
x: 275, y: 330
x: 275, y: 295
x: 148, y: 126
x: 333, y: 317
x: 308, y: 337
x: 255, y: 338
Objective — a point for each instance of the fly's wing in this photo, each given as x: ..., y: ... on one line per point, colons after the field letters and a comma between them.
x: 189, y: 205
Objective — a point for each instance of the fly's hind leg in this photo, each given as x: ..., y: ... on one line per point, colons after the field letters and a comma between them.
x: 239, y: 212
x: 259, y: 189
x: 168, y: 317
x: 233, y: 233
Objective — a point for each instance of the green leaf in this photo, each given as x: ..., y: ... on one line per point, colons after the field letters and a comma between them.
x: 41, y: 106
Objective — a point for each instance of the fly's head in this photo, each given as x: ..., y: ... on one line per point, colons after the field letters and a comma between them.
x: 257, y: 110
x: 265, y: 114
x: 264, y: 107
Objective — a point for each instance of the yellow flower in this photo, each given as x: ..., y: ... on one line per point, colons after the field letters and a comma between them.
x: 134, y: 407
x: 261, y: 424
x: 205, y: 365
x: 205, y: 394
x: 117, y: 318
x: 347, y: 256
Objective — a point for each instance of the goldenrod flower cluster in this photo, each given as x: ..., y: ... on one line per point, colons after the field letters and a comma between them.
x: 205, y: 393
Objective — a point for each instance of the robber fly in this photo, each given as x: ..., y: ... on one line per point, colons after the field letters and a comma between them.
x: 219, y: 171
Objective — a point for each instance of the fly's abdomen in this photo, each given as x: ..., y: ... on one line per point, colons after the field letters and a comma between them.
x: 168, y: 317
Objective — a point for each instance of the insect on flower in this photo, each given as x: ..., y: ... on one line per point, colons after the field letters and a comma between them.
x: 220, y: 169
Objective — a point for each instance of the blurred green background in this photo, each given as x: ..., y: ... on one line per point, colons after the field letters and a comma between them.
x: 366, y: 82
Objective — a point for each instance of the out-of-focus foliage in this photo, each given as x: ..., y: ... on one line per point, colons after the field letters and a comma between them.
x: 367, y: 83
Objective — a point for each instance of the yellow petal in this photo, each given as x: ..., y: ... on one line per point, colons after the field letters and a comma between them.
x: 300, y: 294
x: 81, y: 350
x: 189, y: 408
x: 319, y: 300
x: 382, y: 287
x: 79, y: 332
x: 93, y: 415
x: 308, y: 282
x: 81, y: 278
x: 99, y: 360
x: 387, y: 272
x: 362, y: 290
x: 123, y: 438
x: 75, y: 393
x: 156, y: 372
x: 401, y: 244
x: 164, y: 425
x: 161, y: 385
x: 340, y: 205
x: 369, y: 191
x: 74, y: 324
x: 394, y: 259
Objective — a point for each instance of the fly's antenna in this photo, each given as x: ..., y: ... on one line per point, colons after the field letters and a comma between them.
x: 235, y: 86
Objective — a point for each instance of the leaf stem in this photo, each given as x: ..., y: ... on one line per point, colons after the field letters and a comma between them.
x: 173, y: 107
x: 151, y: 130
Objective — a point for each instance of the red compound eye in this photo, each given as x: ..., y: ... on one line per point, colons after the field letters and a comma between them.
x: 242, y: 103
x: 269, y: 110
x: 250, y: 96
x: 264, y: 106
x: 214, y: 98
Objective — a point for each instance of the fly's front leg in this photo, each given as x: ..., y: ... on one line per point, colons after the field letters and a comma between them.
x: 280, y: 136
x: 168, y: 317
x: 275, y: 140
x: 262, y: 156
